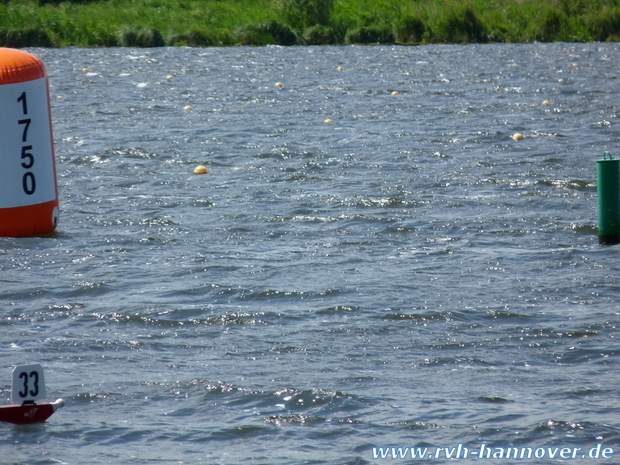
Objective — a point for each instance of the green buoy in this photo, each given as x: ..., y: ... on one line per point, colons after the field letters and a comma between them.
x: 608, y: 190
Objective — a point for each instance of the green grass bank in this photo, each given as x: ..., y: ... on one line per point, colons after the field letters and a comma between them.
x: 153, y: 23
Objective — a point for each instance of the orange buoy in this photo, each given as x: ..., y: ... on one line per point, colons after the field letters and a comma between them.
x: 28, y: 188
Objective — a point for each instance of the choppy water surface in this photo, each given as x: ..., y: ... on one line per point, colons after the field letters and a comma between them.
x: 406, y: 275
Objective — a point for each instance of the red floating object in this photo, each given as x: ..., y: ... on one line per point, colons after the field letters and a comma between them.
x: 29, y: 413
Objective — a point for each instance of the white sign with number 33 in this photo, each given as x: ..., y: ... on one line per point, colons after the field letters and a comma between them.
x: 28, y: 383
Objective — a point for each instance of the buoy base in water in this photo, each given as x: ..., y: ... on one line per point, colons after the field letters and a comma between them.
x: 29, y: 413
x: 30, y: 220
x: 609, y: 239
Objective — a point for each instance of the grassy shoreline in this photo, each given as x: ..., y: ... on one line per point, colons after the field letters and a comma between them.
x: 153, y: 23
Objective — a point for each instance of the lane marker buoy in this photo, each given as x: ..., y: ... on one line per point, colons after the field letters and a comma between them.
x: 518, y: 136
x: 28, y: 188
x: 201, y: 170
x: 27, y: 387
x: 328, y: 120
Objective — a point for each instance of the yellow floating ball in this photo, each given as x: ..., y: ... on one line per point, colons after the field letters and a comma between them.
x: 517, y: 136
x: 340, y: 68
x: 201, y: 170
x: 85, y: 70
x: 169, y: 76
x: 329, y: 120
x: 546, y: 102
x: 395, y: 92
x: 279, y: 84
x: 187, y: 108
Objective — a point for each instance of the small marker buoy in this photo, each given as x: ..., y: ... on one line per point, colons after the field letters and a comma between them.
x: 187, y: 108
x: 29, y: 413
x: 28, y: 386
x: 201, y: 170
x: 28, y: 189
x: 546, y: 102
x: 85, y: 70
x: 279, y: 84
x: 340, y: 68
x: 395, y: 92
x: 169, y: 76
x: 517, y: 136
x: 328, y: 120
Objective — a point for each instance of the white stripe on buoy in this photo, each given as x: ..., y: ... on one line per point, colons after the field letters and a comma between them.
x: 28, y: 189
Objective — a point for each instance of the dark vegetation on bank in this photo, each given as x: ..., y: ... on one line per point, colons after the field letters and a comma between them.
x: 197, y: 23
